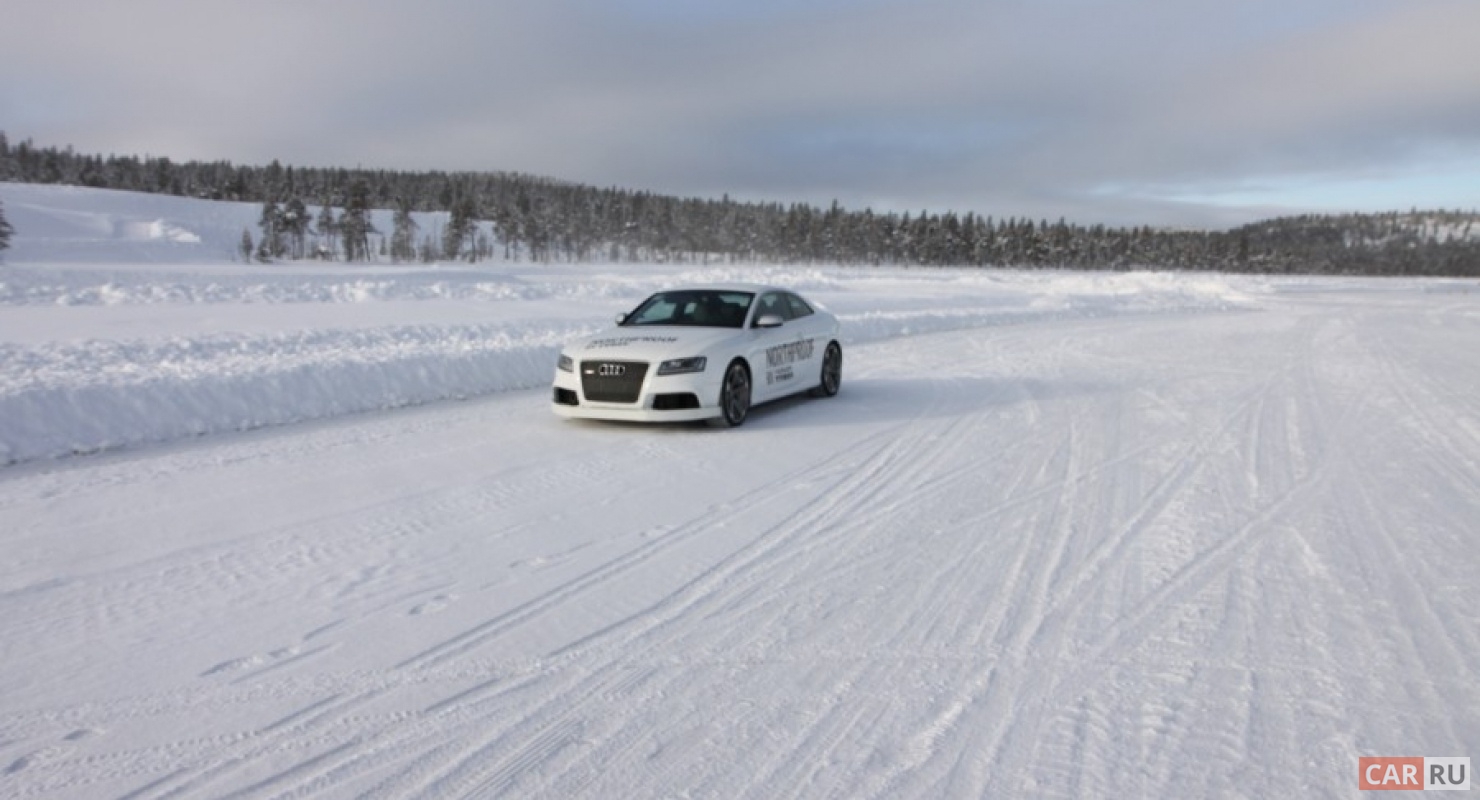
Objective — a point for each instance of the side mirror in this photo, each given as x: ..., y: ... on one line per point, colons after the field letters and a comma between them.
x: 621, y: 317
x: 769, y: 321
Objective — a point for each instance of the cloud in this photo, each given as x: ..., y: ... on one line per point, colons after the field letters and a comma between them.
x: 1105, y: 111
x: 1385, y: 88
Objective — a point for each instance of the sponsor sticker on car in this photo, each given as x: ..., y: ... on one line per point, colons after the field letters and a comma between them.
x: 779, y: 360
x: 624, y: 341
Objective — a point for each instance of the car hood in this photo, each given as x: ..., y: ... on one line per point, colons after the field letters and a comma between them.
x: 651, y: 342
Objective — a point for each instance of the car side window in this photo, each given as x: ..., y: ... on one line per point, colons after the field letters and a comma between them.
x: 799, y: 307
x: 773, y: 303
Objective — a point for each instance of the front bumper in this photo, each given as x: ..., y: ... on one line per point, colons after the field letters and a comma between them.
x: 666, y: 398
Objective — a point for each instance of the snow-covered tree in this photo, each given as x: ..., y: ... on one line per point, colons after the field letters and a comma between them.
x: 9, y: 169
x: 460, y: 229
x: 328, y: 229
x: 403, y: 236
x: 296, y: 224
x: 5, y: 229
x: 354, y: 224
x: 271, y: 222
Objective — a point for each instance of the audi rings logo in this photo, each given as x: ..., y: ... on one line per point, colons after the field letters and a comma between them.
x: 611, y: 370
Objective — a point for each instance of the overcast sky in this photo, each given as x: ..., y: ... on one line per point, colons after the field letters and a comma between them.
x: 1165, y: 112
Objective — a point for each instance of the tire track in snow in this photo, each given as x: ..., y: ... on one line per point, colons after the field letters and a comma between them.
x: 1461, y: 468
x: 1026, y: 595
x: 1037, y: 633
x: 630, y: 560
x: 734, y: 575
x: 1024, y: 582
x: 813, y: 744
x: 1387, y: 555
x: 139, y: 594
x: 451, y: 710
x: 730, y: 579
x: 366, y: 528
x: 1037, y: 702
x: 1308, y: 486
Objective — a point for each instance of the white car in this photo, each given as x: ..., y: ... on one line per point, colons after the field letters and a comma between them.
x: 701, y: 353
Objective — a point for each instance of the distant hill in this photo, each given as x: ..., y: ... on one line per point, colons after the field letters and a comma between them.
x: 79, y: 225
x: 1403, y: 243
x: 509, y: 216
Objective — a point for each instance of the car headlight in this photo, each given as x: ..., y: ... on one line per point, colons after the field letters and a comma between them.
x: 679, y: 366
x: 566, y: 364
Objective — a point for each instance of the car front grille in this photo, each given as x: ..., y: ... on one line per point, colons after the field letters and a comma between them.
x: 612, y: 381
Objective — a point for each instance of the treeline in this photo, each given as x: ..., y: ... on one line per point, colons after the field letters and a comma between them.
x: 541, y: 219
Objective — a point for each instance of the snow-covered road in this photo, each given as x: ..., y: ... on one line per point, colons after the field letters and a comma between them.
x: 1184, y: 554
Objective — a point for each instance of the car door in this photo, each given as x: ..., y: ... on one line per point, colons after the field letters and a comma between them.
x: 809, y: 329
x: 779, y: 355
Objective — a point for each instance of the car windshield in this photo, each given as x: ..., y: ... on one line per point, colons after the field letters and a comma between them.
x: 704, y: 308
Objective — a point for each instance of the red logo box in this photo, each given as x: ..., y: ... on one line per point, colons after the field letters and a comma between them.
x: 1391, y: 773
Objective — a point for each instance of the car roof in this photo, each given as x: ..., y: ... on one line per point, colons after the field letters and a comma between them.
x: 757, y: 288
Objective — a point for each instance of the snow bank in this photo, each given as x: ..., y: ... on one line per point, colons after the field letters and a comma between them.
x: 30, y: 286
x: 1056, y: 297
x: 73, y: 398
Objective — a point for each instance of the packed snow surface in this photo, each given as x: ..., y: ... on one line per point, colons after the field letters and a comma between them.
x: 312, y: 530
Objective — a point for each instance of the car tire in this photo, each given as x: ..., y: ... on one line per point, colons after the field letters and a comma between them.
x: 734, y: 397
x: 832, y: 372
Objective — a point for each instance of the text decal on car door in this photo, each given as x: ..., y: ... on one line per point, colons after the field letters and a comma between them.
x: 780, y: 358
